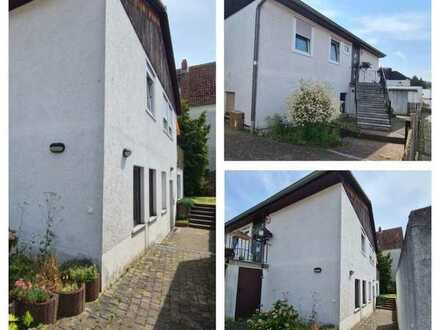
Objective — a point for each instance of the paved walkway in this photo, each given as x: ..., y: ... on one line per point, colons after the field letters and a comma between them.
x: 171, y: 287
x: 240, y: 145
x: 380, y: 320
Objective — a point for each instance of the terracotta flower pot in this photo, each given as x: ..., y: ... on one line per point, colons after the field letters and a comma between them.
x: 72, y: 303
x: 45, y: 312
x: 93, y: 289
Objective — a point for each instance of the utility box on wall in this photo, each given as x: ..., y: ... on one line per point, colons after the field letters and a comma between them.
x: 236, y: 119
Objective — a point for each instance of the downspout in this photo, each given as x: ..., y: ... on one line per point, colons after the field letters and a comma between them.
x: 255, y: 63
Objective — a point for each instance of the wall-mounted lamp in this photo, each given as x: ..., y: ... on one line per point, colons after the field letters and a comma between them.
x: 351, y: 273
x: 126, y: 153
x: 57, y: 148
x: 317, y: 270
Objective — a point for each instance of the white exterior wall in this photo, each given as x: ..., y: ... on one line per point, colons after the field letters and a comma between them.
x: 195, y: 112
x: 239, y: 50
x: 56, y: 79
x: 353, y: 259
x: 128, y: 125
x: 281, y: 68
x: 231, y: 284
x: 305, y: 236
x: 397, y: 83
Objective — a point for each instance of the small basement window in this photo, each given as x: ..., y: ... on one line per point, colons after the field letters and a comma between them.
x: 152, y: 191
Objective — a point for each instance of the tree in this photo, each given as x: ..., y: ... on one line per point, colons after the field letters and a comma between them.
x: 193, y: 140
x: 416, y: 81
x: 384, y: 265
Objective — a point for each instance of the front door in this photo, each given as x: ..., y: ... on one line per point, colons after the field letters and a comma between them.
x: 172, y: 219
x: 229, y: 101
x: 248, y: 292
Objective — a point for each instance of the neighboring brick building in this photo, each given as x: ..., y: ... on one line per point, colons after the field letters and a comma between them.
x: 197, y: 86
x: 390, y: 241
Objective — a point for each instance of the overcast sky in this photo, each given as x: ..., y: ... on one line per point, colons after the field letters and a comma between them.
x: 393, y: 193
x: 192, y: 24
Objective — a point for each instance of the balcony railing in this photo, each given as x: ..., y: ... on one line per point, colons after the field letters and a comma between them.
x: 248, y: 250
x: 369, y: 76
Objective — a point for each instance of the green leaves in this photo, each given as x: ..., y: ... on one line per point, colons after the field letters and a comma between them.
x: 384, y: 262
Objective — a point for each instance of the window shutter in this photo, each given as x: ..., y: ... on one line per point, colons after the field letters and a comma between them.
x: 304, y: 29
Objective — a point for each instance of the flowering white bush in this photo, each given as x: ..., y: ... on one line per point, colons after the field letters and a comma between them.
x: 312, y: 103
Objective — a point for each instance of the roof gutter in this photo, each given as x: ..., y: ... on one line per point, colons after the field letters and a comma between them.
x: 255, y: 63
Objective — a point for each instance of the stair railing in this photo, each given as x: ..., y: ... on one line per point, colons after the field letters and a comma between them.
x: 387, y: 101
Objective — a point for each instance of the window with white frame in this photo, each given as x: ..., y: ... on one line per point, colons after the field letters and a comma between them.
x: 164, y: 191
x: 303, y: 37
x: 335, y: 51
x: 357, y: 289
x: 363, y: 243
x: 150, y: 94
x: 138, y: 195
x: 369, y: 291
x: 170, y: 119
x: 364, y: 292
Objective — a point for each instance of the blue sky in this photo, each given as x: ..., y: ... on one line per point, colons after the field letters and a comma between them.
x: 401, y: 29
x: 393, y: 193
x: 192, y: 24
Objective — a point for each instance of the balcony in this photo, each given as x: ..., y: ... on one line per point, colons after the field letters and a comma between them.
x: 245, y: 249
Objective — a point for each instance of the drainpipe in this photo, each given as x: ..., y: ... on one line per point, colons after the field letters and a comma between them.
x: 255, y: 63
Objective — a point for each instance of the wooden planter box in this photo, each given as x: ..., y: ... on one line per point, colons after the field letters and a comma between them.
x: 45, y: 313
x: 72, y: 303
x: 93, y: 289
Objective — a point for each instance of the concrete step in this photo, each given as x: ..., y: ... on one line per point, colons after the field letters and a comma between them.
x: 374, y: 126
x: 196, y: 215
x: 371, y: 120
x: 202, y: 211
x: 199, y: 226
x: 202, y: 222
x: 373, y: 114
x: 204, y: 206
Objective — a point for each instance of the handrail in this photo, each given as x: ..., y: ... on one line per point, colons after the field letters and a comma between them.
x: 251, y: 250
x: 383, y: 83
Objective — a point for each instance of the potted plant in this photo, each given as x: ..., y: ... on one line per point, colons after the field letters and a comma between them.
x: 71, y: 299
x: 41, y: 304
x: 87, y: 273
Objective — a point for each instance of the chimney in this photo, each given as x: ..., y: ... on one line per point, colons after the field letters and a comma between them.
x: 184, y: 65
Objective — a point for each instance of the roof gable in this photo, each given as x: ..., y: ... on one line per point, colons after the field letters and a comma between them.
x: 308, y: 186
x: 233, y: 6
x: 389, y: 239
x: 197, y: 84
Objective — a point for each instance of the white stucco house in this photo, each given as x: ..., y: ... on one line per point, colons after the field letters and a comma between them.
x: 271, y: 45
x: 312, y: 243
x: 389, y: 241
x: 93, y: 105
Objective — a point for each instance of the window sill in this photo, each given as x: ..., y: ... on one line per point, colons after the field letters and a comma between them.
x: 357, y: 310
x: 152, y: 219
x: 164, y: 211
x: 300, y: 52
x: 137, y: 229
x: 334, y: 62
x: 151, y: 114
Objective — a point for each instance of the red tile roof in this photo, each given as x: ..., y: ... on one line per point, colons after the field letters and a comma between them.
x: 197, y: 83
x: 389, y: 239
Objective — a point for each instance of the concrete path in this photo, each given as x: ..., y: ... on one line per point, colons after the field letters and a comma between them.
x: 171, y: 287
x: 380, y: 320
x: 240, y: 145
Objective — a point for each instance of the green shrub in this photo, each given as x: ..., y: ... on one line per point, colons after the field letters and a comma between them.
x: 314, y: 134
x: 183, y: 207
x: 30, y: 294
x: 69, y: 287
x: 281, y: 316
x: 21, y: 267
x: 81, y: 273
x: 231, y: 324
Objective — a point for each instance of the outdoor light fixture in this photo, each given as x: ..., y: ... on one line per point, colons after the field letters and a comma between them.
x: 57, y: 148
x: 126, y: 153
x: 317, y: 270
x: 351, y: 272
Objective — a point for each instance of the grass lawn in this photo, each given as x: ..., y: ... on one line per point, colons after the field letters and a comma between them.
x: 204, y: 200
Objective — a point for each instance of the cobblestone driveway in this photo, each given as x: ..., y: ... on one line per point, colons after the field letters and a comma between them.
x: 380, y: 320
x: 171, y: 287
